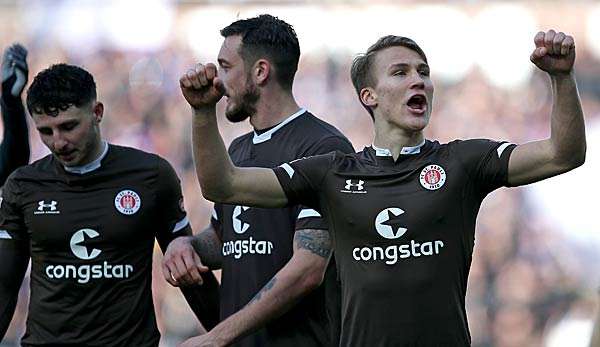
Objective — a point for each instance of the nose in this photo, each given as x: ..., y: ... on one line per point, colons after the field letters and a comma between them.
x: 417, y: 81
x: 59, y: 142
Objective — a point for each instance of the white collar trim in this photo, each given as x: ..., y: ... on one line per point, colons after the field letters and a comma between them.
x: 94, y: 165
x: 384, y: 152
x: 266, y: 136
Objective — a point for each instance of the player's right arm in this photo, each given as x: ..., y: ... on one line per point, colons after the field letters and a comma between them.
x: 14, y: 253
x: 219, y: 179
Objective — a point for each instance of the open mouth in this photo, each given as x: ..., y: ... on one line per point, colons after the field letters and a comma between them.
x: 417, y: 104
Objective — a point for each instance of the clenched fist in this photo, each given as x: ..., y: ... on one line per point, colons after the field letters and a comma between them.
x: 201, y: 87
x: 554, y: 52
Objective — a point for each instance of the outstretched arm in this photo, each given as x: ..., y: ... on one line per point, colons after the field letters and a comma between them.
x: 219, y: 179
x: 303, y: 273
x: 566, y: 147
x: 14, y: 150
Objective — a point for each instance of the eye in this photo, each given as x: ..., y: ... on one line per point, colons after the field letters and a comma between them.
x: 400, y: 73
x: 45, y: 131
x: 69, y: 126
x: 424, y: 72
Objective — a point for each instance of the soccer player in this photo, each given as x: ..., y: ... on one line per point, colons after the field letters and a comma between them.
x: 283, y: 251
x: 402, y: 212
x: 14, y: 150
x: 87, y: 216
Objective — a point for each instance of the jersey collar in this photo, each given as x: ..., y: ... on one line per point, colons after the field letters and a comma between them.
x: 384, y: 152
x: 83, y: 169
x: 266, y: 136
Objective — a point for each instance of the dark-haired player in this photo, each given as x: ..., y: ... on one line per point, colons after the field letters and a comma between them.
x: 14, y: 150
x: 258, y: 61
x: 402, y: 212
x: 283, y: 251
x: 87, y: 215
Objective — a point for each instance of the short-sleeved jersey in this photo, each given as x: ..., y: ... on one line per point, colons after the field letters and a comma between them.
x: 91, y: 237
x: 403, y: 234
x: 258, y: 242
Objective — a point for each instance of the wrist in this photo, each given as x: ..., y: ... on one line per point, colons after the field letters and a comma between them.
x: 219, y: 337
x: 562, y: 75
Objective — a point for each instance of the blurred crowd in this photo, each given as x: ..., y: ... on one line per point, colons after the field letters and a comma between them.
x: 525, y: 276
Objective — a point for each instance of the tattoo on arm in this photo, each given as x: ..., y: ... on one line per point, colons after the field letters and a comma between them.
x: 315, y: 240
x: 264, y: 289
x: 208, y: 246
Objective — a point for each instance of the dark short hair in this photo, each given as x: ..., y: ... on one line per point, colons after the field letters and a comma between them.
x: 270, y: 37
x: 361, y: 73
x: 59, y: 87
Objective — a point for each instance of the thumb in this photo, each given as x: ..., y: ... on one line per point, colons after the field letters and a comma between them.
x: 218, y: 83
x: 539, y: 53
x: 199, y: 265
x: 19, y: 84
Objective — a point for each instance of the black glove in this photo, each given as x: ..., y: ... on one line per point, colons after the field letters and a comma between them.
x: 14, y: 71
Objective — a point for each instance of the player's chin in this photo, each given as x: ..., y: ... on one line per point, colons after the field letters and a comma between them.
x: 236, y: 115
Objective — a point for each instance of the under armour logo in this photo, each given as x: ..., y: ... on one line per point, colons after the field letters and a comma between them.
x: 44, y: 208
x: 354, y: 187
x: 42, y: 205
x: 359, y: 185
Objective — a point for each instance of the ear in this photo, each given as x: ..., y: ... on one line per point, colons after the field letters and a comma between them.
x: 261, y: 71
x: 368, y: 97
x: 98, y: 111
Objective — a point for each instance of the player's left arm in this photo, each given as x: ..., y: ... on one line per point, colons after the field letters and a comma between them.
x: 565, y: 149
x: 14, y: 150
x: 301, y: 274
x: 202, y: 298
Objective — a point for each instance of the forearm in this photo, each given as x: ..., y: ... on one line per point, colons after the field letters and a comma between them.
x: 567, y: 123
x: 14, y: 265
x: 204, y: 300
x: 213, y: 165
x: 302, y: 274
x: 282, y: 292
x: 208, y: 246
x: 14, y: 150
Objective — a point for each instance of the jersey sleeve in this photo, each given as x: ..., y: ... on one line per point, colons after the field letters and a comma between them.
x: 309, y: 218
x: 302, y: 179
x: 12, y: 224
x: 173, y: 217
x: 486, y: 161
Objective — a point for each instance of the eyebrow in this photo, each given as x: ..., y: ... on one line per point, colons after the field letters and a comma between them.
x: 405, y: 65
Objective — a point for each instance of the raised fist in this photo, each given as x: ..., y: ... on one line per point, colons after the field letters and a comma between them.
x: 201, y: 87
x: 14, y: 70
x: 554, y: 52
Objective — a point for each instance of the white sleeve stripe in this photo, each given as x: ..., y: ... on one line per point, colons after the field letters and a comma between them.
x: 214, y: 214
x: 288, y: 169
x: 181, y: 224
x: 4, y: 235
x: 501, y: 148
x: 307, y: 212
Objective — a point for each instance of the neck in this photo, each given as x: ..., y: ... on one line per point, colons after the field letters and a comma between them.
x: 272, y: 108
x: 394, y: 138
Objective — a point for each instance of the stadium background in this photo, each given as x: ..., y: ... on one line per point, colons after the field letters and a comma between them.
x: 534, y: 277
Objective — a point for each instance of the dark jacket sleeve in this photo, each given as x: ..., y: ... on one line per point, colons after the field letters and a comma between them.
x: 14, y: 150
x: 203, y: 299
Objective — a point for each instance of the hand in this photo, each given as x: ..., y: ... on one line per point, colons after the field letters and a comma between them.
x: 14, y: 70
x: 206, y: 340
x: 201, y: 87
x: 181, y: 264
x: 554, y: 52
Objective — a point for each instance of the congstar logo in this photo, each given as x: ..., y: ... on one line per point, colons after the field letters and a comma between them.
x: 389, y: 224
x: 83, y: 273
x: 241, y: 224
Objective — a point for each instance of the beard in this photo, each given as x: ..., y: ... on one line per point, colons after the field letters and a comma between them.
x: 246, y: 107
